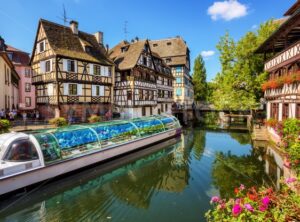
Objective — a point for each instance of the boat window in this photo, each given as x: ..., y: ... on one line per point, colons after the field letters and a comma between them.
x: 169, y: 122
x: 148, y: 126
x: 49, y: 147
x: 21, y: 150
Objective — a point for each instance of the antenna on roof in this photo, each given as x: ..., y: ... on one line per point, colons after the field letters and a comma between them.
x: 125, y: 29
x: 64, y: 16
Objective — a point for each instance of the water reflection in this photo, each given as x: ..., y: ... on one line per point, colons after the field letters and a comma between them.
x: 172, y: 181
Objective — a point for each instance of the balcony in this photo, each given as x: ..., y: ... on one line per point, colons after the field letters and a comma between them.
x: 71, y: 77
x: 287, y: 85
x: 291, y: 54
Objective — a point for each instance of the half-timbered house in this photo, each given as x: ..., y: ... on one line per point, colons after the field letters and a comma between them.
x: 72, y: 73
x: 143, y: 82
x: 176, y: 54
x: 282, y: 89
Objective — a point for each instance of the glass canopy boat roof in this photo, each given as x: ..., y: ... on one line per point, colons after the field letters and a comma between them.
x: 62, y: 143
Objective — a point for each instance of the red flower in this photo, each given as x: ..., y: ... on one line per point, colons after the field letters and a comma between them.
x: 236, y: 190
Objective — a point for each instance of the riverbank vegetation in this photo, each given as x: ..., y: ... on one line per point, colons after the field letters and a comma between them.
x: 238, y: 85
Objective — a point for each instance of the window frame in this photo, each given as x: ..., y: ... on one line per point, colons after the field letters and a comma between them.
x: 7, y: 152
x: 70, y: 89
x: 27, y: 89
x: 28, y: 104
x: 69, y: 65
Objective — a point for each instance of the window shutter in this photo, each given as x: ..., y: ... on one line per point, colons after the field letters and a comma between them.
x: 42, y: 66
x: 50, y: 65
x: 106, y: 71
x: 65, y: 65
x: 37, y: 48
x: 75, y: 64
x: 79, y: 88
x: 66, y: 88
x: 102, y: 71
x: 101, y: 90
x: 50, y: 89
x: 93, y: 90
x: 91, y: 69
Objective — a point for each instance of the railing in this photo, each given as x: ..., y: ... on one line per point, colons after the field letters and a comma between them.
x: 165, y: 99
x: 290, y: 54
x: 72, y: 99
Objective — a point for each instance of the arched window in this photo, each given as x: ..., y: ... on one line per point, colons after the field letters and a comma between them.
x: 21, y: 150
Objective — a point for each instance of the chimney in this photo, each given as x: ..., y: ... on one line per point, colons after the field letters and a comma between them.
x: 99, y: 37
x: 74, y: 27
x: 107, y: 48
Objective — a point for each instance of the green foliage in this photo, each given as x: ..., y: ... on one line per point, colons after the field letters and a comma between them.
x: 199, y: 79
x: 4, y: 126
x: 94, y: 119
x: 238, y: 85
x: 291, y: 130
x: 253, y: 205
x: 58, y: 122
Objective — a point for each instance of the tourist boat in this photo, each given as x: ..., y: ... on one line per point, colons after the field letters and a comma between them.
x: 30, y: 158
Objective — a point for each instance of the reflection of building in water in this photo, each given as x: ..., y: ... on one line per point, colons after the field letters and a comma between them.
x: 274, y: 165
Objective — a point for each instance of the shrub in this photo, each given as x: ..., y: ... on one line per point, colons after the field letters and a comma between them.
x: 94, y: 119
x: 58, y: 122
x: 271, y: 122
x: 257, y: 205
x: 4, y: 126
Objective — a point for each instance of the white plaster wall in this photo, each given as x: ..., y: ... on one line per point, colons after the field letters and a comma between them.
x: 280, y: 112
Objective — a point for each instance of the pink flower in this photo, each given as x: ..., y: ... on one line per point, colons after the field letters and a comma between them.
x: 238, y: 201
x: 215, y: 199
x: 242, y: 187
x: 236, y: 210
x: 290, y: 180
x: 249, y: 207
x: 265, y: 201
x: 263, y: 208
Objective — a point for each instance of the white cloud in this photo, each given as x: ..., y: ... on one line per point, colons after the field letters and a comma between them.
x: 227, y: 10
x: 208, y: 53
x: 254, y: 27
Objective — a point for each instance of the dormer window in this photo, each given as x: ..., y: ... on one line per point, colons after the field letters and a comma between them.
x: 155, y: 45
x: 168, y: 60
x: 124, y: 49
x: 145, y: 61
x: 88, y: 49
x: 169, y: 43
x: 41, y: 46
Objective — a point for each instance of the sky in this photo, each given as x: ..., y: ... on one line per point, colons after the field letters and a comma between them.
x: 200, y: 23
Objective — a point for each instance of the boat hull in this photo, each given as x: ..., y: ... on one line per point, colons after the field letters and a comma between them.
x: 48, y: 172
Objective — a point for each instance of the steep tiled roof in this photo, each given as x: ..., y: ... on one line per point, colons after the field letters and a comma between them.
x: 129, y: 57
x: 19, y: 57
x: 65, y: 43
x: 175, y: 48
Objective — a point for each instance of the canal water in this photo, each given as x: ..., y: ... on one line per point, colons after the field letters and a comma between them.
x: 172, y: 181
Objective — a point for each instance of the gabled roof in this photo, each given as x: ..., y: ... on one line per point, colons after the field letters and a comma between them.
x: 293, y: 9
x: 174, y: 48
x: 287, y: 33
x: 129, y: 57
x: 64, y: 43
x: 9, y: 63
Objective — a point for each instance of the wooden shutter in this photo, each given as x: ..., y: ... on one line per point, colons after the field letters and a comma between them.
x: 65, y: 65
x: 93, y: 90
x: 101, y: 90
x: 105, y: 71
x: 50, y: 65
x: 76, y: 68
x: 91, y: 69
x: 42, y: 66
x: 50, y: 89
x: 102, y: 71
x: 298, y: 111
x: 66, y: 89
x: 79, y: 89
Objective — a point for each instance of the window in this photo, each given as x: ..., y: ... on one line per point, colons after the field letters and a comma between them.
x: 166, y: 107
x: 41, y: 46
x: 129, y: 95
x: 97, y: 70
x: 162, y: 107
x: 178, y: 80
x: 10, y: 56
x: 21, y: 150
x: 145, y: 61
x: 298, y: 111
x: 151, y: 112
x: 72, y: 89
x: 285, y: 111
x: 178, y: 92
x: 109, y: 71
x: 151, y: 95
x: 27, y: 101
x: 274, y: 110
x: 178, y: 69
x: 27, y: 87
x: 71, y: 66
x: 48, y: 66
x: 168, y: 60
x: 143, y: 111
x: 155, y: 45
x: 141, y: 96
x: 169, y: 43
x: 27, y: 73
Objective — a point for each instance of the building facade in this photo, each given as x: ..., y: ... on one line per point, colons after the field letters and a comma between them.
x: 282, y: 89
x: 176, y: 54
x: 143, y: 82
x: 9, y: 81
x: 26, y: 92
x: 72, y: 73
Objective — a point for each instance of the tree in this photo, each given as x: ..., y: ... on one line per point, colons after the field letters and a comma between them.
x: 238, y: 85
x: 199, y: 79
